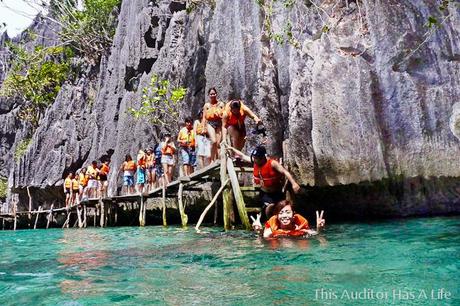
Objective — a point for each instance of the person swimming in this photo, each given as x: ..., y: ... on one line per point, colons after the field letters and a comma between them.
x: 286, y: 223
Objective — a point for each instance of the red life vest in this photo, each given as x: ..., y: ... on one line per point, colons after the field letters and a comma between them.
x: 235, y: 120
x: 267, y: 176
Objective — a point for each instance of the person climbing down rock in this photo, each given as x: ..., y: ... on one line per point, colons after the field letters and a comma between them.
x: 212, y: 120
x: 186, y: 140
x: 233, y: 123
x: 286, y: 223
x: 270, y: 176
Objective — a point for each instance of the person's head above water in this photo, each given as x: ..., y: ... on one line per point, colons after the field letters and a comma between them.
x: 284, y: 210
x: 258, y: 155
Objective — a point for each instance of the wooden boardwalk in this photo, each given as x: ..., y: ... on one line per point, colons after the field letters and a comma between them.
x: 105, y: 209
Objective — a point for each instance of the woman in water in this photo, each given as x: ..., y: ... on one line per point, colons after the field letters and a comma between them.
x: 285, y: 222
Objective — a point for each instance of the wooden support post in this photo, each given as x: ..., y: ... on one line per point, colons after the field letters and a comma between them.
x: 116, y: 215
x: 36, y: 218
x: 30, y: 204
x: 227, y: 198
x: 141, y: 211
x: 50, y: 216
x: 85, y: 215
x: 214, y: 199
x: 163, y: 199
x: 15, y: 208
x: 95, y: 214
x: 238, y: 195
x: 183, y: 216
x: 79, y: 219
x: 67, y: 221
x: 102, y: 214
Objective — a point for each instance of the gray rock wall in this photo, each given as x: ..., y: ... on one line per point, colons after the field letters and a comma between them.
x: 354, y: 104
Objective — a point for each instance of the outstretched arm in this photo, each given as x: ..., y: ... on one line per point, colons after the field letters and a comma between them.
x: 282, y: 170
x: 251, y: 114
x: 243, y: 156
x: 224, y: 129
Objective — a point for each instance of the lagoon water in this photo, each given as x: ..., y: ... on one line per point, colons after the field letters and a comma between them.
x: 405, y: 262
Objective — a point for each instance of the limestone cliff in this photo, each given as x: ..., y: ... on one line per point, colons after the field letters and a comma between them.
x: 364, y: 105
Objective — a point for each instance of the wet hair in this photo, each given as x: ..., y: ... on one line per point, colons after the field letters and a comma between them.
x: 188, y: 120
x: 211, y: 89
x: 235, y: 104
x: 128, y: 157
x: 280, y: 205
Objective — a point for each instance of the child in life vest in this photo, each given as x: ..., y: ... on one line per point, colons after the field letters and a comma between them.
x: 286, y: 223
x: 128, y: 167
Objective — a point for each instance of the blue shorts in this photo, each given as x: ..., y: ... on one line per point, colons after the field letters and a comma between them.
x: 140, y: 176
x: 188, y: 156
x: 128, y: 180
x: 159, y: 170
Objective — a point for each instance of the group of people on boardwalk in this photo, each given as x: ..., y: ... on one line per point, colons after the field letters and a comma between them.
x: 198, y: 143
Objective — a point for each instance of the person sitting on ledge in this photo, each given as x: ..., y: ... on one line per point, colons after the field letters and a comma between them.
x: 286, y: 223
x: 269, y: 175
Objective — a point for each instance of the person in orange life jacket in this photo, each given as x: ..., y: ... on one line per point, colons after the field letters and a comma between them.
x: 83, y: 180
x: 203, y: 144
x: 68, y: 189
x: 286, y: 223
x: 168, y: 149
x: 92, y: 171
x: 141, y: 167
x: 128, y: 167
x: 233, y: 123
x: 186, y: 140
x: 212, y: 121
x: 103, y: 173
x: 150, y: 168
x: 75, y: 189
x: 269, y: 175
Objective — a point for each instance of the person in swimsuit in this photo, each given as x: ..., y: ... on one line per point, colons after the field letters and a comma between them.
x: 212, y: 120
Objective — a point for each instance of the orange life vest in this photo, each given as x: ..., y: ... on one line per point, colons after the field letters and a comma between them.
x: 200, y: 129
x: 186, y: 135
x: 167, y: 150
x: 149, y: 160
x: 235, y: 120
x: 267, y: 176
x: 104, y: 169
x: 130, y: 166
x: 83, y: 179
x: 141, y: 163
x: 68, y: 183
x: 214, y: 112
x: 298, y: 221
x: 75, y: 184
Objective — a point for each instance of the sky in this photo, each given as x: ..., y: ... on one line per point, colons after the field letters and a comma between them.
x: 17, y: 14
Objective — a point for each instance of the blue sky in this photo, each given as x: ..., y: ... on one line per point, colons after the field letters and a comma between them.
x: 17, y: 14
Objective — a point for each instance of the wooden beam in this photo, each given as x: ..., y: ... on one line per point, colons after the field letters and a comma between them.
x: 253, y: 209
x: 214, y: 199
x: 238, y: 195
x: 102, y: 215
x: 36, y: 218
x: 227, y: 197
x: 183, y: 216
x: 163, y: 199
x: 50, y: 216
x: 244, y: 169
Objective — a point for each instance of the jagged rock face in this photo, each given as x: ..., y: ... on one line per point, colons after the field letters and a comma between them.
x: 364, y: 101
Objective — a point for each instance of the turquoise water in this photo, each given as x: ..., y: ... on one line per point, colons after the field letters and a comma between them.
x: 173, y: 266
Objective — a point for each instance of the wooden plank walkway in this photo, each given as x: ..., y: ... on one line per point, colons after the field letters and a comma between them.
x: 223, y: 171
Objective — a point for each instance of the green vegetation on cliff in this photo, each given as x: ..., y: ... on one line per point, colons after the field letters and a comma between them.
x: 21, y: 149
x: 3, y: 188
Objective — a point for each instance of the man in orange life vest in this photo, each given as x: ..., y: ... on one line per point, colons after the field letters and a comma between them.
x: 269, y: 175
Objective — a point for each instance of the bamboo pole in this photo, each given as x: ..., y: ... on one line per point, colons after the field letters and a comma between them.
x: 102, y: 213
x: 214, y: 199
x: 95, y: 214
x: 141, y: 211
x: 50, y: 216
x: 67, y: 221
x: 238, y: 195
x: 15, y: 208
x: 84, y: 215
x: 227, y: 198
x: 79, y: 217
x: 163, y: 198
x: 183, y: 216
x: 36, y: 217
x: 30, y: 204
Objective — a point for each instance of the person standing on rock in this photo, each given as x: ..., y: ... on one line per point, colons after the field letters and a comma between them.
x: 270, y: 176
x: 233, y: 123
x: 212, y: 120
x: 186, y: 140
